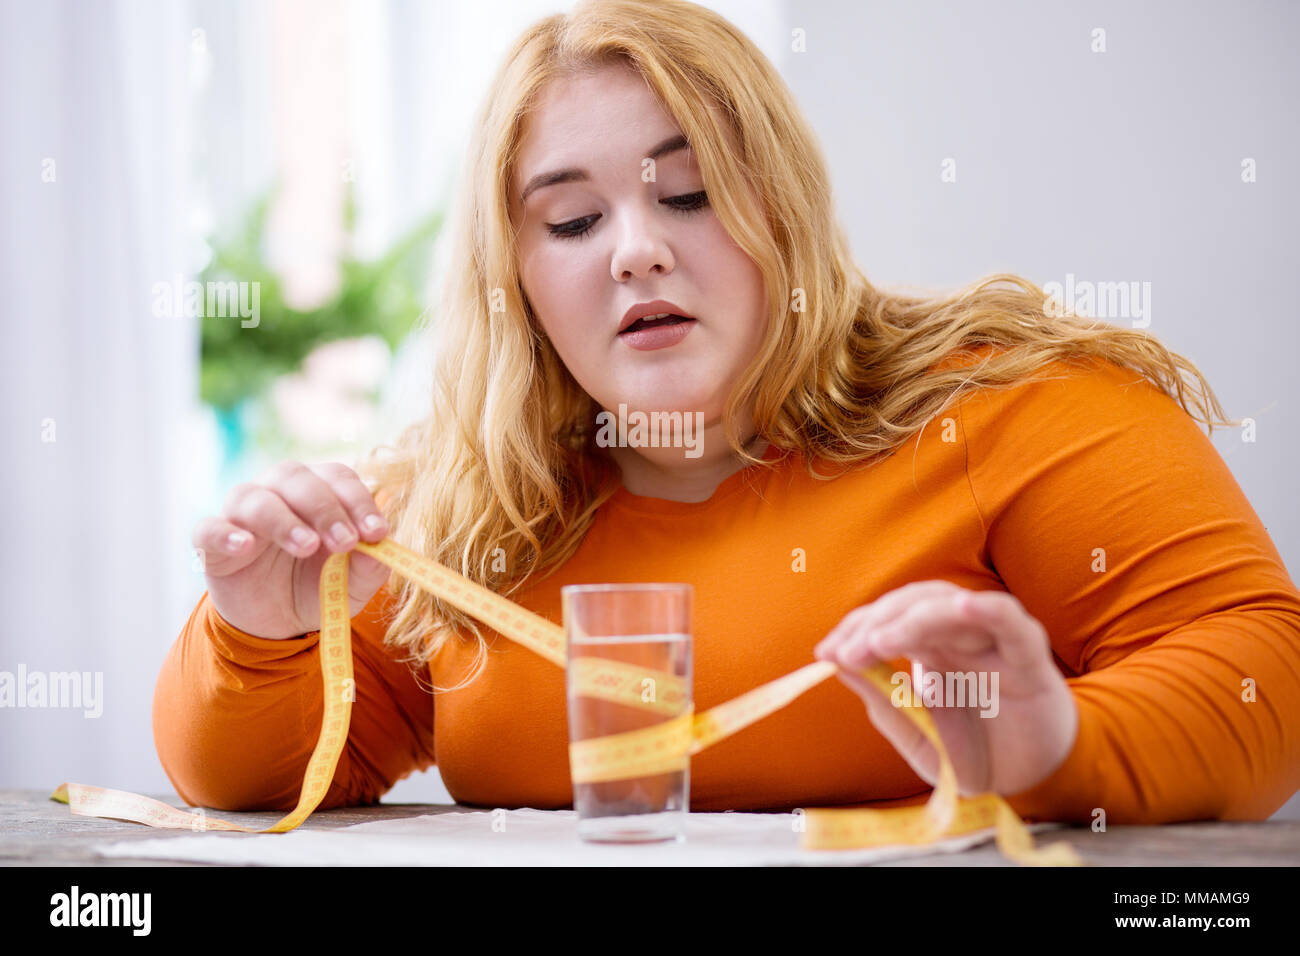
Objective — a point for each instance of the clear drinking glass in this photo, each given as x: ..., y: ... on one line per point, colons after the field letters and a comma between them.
x: 629, y: 669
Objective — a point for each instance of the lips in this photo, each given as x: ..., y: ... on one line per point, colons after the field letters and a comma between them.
x: 651, y: 314
x: 653, y: 322
x: 651, y: 337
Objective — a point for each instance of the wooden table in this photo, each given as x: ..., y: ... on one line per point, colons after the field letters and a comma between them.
x: 37, y: 831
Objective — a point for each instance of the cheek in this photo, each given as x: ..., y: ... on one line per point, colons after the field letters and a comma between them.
x: 731, y: 268
x: 558, y: 286
x: 560, y: 283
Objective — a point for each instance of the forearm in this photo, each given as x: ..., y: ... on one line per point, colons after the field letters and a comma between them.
x: 1203, y: 724
x: 236, y: 717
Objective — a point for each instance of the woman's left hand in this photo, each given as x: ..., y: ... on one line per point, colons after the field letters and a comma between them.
x: 941, y: 627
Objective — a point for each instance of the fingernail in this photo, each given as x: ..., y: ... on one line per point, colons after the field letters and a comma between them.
x: 235, y: 540
x: 373, y: 522
x: 302, y: 537
x: 340, y: 534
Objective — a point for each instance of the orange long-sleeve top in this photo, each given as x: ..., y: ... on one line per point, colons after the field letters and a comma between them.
x: 1091, y: 496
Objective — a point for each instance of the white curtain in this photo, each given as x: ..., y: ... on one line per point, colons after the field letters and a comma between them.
x: 97, y: 391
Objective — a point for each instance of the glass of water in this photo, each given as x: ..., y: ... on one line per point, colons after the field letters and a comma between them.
x: 628, y: 680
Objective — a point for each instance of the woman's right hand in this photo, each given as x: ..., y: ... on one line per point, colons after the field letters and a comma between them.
x: 265, y: 580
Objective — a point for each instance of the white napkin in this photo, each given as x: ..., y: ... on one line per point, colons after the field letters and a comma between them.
x: 524, y: 837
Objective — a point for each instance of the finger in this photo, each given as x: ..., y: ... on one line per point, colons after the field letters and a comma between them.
x: 936, y: 625
x: 966, y: 625
x: 932, y: 623
x: 223, y: 546
x: 264, y: 514
x: 882, y: 609
x: 365, y: 514
x: 356, y: 498
x: 896, y: 727
x: 314, y: 501
x: 1022, y: 641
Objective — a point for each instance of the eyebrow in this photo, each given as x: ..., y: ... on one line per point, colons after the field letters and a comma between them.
x: 574, y: 174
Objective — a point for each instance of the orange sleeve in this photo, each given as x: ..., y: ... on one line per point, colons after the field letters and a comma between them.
x: 1113, y: 519
x: 236, y: 717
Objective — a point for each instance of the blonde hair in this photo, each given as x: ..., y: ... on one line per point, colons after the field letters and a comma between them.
x: 502, y: 478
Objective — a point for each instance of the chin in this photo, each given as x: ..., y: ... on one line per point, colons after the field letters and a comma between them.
x: 662, y: 402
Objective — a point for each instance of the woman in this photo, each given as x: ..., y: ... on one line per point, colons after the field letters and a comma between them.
x: 970, y: 483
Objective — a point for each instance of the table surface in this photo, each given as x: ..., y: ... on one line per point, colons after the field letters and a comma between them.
x: 38, y: 831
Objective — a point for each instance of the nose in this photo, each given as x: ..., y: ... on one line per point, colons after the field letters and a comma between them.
x: 641, y: 247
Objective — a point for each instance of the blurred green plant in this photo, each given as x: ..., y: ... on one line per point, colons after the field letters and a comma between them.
x: 381, y: 297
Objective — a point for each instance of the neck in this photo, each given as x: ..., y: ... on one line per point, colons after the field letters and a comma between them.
x: 668, y: 474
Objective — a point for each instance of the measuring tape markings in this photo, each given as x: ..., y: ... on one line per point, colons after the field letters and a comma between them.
x: 623, y: 683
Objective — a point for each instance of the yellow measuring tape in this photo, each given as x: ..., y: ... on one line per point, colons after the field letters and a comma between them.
x: 662, y: 747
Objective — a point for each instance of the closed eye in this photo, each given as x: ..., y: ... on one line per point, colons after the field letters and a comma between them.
x: 577, y: 228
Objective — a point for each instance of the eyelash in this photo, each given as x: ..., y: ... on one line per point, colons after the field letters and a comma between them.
x: 690, y: 203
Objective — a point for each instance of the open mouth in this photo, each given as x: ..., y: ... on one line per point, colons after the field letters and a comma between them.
x: 654, y: 321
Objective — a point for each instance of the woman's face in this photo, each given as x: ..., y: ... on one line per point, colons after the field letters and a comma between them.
x: 625, y: 231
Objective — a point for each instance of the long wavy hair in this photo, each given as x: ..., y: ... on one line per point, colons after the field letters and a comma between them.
x: 502, y: 478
